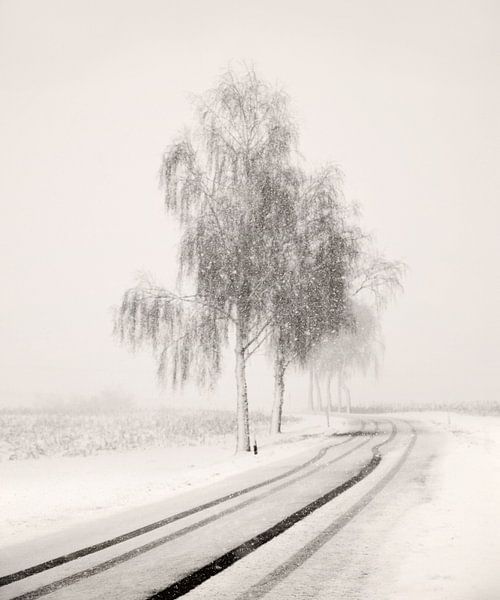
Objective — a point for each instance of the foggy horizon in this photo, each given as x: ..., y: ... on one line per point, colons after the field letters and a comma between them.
x: 404, y: 99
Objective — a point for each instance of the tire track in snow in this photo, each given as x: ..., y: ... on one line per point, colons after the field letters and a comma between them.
x: 265, y: 585
x: 196, y: 578
x: 99, y: 568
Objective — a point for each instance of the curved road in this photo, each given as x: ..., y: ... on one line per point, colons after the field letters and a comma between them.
x: 282, y: 531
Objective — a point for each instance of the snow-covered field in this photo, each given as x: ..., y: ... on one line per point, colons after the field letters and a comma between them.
x: 43, y: 495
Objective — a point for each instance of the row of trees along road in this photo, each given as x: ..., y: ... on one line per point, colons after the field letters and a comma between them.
x: 269, y: 253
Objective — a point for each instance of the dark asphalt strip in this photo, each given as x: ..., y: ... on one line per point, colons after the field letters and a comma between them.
x: 271, y: 580
x: 104, y: 566
x: 196, y: 578
x: 61, y: 560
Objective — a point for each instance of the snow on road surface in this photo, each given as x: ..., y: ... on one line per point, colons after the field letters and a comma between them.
x: 431, y: 533
x: 434, y: 532
x: 40, y: 496
x: 447, y: 544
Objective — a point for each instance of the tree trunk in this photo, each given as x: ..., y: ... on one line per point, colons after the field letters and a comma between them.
x: 327, y: 412
x: 348, y: 399
x: 318, y: 392
x: 329, y: 398
x: 242, y: 419
x: 339, y: 391
x: 310, y: 395
x: 279, y: 392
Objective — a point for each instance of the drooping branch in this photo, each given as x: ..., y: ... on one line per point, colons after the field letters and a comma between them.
x: 378, y: 277
x: 188, y: 342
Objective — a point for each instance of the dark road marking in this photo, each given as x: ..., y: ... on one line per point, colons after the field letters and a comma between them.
x: 271, y: 580
x: 104, y: 566
x: 196, y: 578
x: 60, y: 560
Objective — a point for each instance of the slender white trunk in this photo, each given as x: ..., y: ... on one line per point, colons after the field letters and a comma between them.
x: 329, y: 392
x: 339, y: 391
x: 348, y: 399
x: 310, y: 395
x: 279, y: 393
x: 318, y: 392
x: 327, y: 412
x: 242, y: 419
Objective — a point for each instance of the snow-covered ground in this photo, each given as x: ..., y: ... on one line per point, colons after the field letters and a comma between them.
x: 433, y: 532
x: 39, y: 496
x: 447, y: 544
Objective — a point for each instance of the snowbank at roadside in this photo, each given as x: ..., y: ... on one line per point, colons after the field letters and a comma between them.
x: 42, y: 495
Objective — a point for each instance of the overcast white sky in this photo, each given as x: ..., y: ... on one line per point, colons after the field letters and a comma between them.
x: 403, y: 95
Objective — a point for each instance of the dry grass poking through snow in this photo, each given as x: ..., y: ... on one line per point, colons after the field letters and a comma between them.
x: 31, y: 434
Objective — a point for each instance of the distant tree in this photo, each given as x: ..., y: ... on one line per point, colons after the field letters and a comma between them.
x: 230, y: 184
x: 310, y: 295
x: 357, y: 346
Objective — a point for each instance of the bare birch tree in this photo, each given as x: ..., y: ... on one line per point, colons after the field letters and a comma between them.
x: 228, y: 182
x: 310, y: 296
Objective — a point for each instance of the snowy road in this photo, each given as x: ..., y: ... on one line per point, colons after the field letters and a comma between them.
x: 312, y: 526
